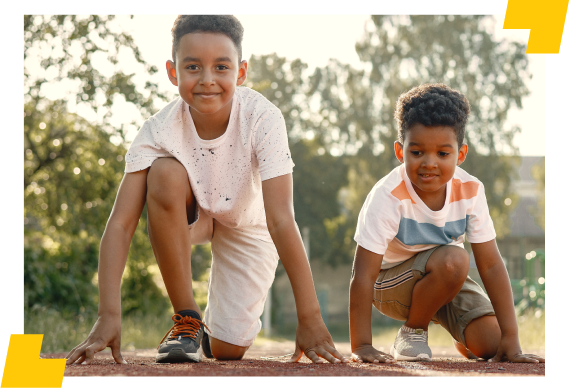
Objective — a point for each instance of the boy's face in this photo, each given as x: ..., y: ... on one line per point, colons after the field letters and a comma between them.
x: 207, y: 72
x: 430, y: 155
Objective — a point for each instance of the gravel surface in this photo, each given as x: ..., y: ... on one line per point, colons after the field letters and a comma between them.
x: 262, y: 367
x: 141, y: 362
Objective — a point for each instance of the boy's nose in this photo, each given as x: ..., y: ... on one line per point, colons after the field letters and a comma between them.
x: 207, y: 78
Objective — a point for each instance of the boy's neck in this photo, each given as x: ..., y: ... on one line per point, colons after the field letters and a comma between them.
x: 213, y: 125
x: 435, y: 200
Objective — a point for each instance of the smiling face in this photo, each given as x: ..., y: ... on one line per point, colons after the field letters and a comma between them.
x: 430, y: 155
x: 207, y: 72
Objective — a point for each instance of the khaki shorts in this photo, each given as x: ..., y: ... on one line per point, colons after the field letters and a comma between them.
x: 243, y: 269
x: 393, y: 296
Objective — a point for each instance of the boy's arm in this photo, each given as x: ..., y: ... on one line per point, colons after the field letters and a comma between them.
x: 313, y: 338
x: 365, y: 270
x: 498, y: 286
x: 113, y: 251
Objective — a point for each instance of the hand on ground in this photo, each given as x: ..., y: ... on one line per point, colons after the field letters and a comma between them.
x: 367, y: 353
x: 315, y: 341
x: 510, y: 350
x: 105, y: 332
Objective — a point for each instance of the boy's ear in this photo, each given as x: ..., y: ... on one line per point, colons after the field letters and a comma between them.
x: 171, y: 70
x: 462, y: 154
x: 242, y: 73
x: 399, y: 150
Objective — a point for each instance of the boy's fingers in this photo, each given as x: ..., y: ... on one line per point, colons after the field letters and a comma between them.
x: 332, y: 350
x: 75, y: 354
x: 297, y: 355
x: 326, y: 355
x: 116, y: 352
x: 70, y: 354
x: 524, y: 358
x: 313, y: 356
x: 92, y: 349
x: 497, y: 358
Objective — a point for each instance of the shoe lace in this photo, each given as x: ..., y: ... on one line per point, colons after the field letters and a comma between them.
x: 183, y: 327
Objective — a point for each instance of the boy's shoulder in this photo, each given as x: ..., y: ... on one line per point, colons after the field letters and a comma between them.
x: 254, y: 102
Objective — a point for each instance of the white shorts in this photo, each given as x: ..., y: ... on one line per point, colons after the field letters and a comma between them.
x: 243, y: 269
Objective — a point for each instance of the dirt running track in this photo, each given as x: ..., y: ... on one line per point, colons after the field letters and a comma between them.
x: 446, y: 362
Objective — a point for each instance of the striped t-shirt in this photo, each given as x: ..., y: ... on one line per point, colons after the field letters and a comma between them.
x: 396, y: 223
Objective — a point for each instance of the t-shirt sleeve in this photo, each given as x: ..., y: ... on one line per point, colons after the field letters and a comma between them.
x: 143, y: 150
x: 479, y: 224
x: 271, y: 145
x: 378, y: 221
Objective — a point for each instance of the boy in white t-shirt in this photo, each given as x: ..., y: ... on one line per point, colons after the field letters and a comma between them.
x: 212, y: 166
x: 410, y: 262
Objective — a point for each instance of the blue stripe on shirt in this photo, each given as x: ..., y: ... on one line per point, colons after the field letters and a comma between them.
x: 411, y: 232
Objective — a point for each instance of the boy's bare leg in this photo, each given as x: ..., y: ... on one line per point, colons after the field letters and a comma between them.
x: 482, y: 336
x: 225, y: 351
x: 170, y: 205
x: 446, y: 271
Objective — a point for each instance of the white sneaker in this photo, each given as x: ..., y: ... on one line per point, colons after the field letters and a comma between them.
x: 411, y: 345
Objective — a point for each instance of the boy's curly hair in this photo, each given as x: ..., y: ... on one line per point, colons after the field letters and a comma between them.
x: 228, y: 25
x: 432, y: 105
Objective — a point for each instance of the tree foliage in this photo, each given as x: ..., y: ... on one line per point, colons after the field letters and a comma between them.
x: 72, y: 168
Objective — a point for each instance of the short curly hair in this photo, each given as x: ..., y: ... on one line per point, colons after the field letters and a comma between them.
x: 432, y: 105
x: 228, y: 25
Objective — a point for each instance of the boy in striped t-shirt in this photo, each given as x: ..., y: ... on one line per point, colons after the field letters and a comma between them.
x: 410, y: 262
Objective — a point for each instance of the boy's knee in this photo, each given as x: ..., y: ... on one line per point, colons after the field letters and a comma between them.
x: 453, y: 262
x: 483, y: 336
x: 225, y: 351
x: 167, y: 180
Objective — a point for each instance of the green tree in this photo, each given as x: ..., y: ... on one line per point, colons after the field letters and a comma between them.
x: 73, y: 166
x: 538, y: 172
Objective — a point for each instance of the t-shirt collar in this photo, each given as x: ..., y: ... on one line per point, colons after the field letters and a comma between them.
x: 435, y: 214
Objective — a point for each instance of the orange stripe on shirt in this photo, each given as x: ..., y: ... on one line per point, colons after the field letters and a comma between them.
x: 401, y: 192
x: 463, y: 190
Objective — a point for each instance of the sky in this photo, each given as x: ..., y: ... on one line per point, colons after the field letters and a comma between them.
x: 317, y: 38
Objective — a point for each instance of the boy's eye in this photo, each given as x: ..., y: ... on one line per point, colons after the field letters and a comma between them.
x: 441, y: 153
x: 415, y: 153
x: 192, y: 67
x: 221, y: 67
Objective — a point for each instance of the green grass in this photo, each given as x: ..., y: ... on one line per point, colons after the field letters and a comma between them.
x: 62, y: 332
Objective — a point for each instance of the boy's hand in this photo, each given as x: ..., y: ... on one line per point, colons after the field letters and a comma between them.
x: 314, y: 341
x: 105, y: 332
x: 510, y: 350
x: 367, y: 353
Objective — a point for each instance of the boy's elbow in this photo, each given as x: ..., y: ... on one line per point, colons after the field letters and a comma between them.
x: 281, y: 221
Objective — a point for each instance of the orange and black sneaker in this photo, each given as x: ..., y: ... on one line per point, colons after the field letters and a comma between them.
x: 184, y: 339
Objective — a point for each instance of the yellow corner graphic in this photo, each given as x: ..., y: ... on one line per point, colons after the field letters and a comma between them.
x: 24, y: 368
x: 545, y: 19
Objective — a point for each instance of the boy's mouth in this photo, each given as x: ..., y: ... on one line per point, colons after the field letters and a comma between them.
x: 427, y: 177
x: 206, y: 96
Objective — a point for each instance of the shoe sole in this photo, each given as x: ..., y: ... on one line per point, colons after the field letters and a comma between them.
x: 178, y: 355
x: 400, y: 357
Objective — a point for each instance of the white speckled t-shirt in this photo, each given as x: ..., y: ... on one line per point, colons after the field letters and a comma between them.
x: 225, y: 173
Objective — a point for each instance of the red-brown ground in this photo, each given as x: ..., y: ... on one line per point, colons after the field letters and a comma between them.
x: 446, y: 362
